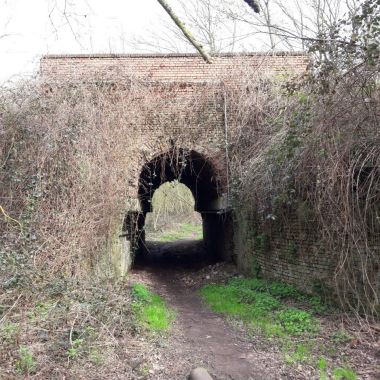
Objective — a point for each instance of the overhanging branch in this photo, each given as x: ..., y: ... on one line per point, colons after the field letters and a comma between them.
x: 186, y: 33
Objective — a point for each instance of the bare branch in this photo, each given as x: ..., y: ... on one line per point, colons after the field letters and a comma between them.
x: 186, y: 33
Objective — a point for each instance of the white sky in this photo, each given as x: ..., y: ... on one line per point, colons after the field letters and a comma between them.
x: 106, y: 28
x: 31, y: 28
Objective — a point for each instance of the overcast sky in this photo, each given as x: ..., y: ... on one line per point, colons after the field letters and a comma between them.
x: 36, y: 27
x: 31, y: 28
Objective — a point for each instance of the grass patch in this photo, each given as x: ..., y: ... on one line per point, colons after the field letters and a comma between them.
x: 26, y: 364
x: 260, y: 305
x: 344, y: 374
x: 341, y: 337
x: 9, y: 332
x: 340, y: 373
x: 151, y: 310
x: 183, y: 231
x: 300, y: 354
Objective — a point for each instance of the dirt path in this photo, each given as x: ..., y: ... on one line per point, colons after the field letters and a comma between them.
x: 200, y: 337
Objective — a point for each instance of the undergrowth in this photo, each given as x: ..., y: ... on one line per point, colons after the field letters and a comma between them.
x: 151, y: 310
x: 49, y: 326
x: 284, y: 315
x: 260, y: 305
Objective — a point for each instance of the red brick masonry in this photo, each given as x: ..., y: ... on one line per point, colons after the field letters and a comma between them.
x: 164, y: 67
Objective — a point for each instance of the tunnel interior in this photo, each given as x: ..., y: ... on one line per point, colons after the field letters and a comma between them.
x: 188, y: 167
x: 195, y: 171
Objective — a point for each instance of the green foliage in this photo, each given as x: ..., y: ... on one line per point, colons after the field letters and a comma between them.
x: 95, y: 356
x: 76, y: 348
x: 26, y: 364
x: 344, y: 374
x: 293, y: 248
x: 183, y: 231
x: 322, y: 366
x: 256, y: 267
x: 262, y: 243
x: 258, y: 303
x: 341, y: 337
x: 150, y: 310
x: 141, y: 293
x: 9, y: 331
x: 40, y: 311
x: 296, y: 322
x: 302, y: 353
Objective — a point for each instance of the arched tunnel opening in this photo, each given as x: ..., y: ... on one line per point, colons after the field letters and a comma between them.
x: 200, y: 176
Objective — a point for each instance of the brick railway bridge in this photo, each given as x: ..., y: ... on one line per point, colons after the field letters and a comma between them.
x: 198, y: 160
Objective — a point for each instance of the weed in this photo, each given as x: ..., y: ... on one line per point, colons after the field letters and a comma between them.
x: 256, y: 267
x: 40, y: 311
x: 296, y: 322
x: 95, y: 356
x: 258, y: 303
x: 299, y: 355
x: 341, y: 337
x: 141, y: 293
x: 26, y: 364
x: 9, y: 331
x: 344, y: 374
x: 322, y: 366
x: 143, y: 371
x: 262, y: 243
x: 151, y: 310
x: 76, y: 348
x: 292, y: 251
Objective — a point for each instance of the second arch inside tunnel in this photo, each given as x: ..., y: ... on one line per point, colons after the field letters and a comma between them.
x: 201, y: 177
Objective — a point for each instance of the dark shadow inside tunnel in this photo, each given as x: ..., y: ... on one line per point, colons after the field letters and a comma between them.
x: 201, y: 177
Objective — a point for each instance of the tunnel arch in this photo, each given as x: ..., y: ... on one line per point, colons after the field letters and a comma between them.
x: 201, y: 176
x: 187, y: 166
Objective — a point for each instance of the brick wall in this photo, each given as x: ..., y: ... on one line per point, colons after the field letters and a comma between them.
x: 292, y: 250
x: 165, y: 68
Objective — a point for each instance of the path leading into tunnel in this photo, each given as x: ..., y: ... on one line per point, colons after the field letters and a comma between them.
x: 174, y: 271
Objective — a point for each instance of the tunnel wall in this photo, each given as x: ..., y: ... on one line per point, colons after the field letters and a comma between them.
x: 218, y: 234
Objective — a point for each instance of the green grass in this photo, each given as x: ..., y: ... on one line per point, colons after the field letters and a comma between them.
x: 259, y: 304
x: 26, y: 364
x: 183, y: 231
x: 341, y: 337
x: 151, y: 310
x: 337, y: 373
x: 344, y: 374
x: 263, y: 306
x: 300, y: 354
x: 9, y: 331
